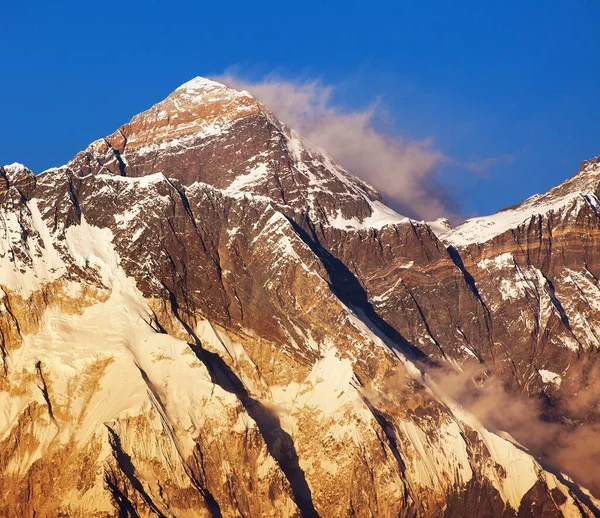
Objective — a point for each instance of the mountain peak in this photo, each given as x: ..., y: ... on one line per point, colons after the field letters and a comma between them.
x: 207, y: 132
x: 200, y: 82
x: 202, y: 91
x: 193, y: 115
x: 15, y: 167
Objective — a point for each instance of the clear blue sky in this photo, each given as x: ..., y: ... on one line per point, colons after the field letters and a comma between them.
x: 515, y: 80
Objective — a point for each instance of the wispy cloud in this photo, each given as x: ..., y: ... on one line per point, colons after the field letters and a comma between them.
x: 483, y: 165
x: 574, y: 449
x: 401, y: 169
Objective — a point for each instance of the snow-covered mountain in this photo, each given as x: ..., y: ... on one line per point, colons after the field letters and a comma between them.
x: 204, y: 315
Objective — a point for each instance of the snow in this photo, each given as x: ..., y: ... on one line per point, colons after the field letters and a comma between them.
x: 521, y: 469
x: 329, y: 395
x: 304, y: 152
x: 284, y: 245
x: 16, y: 168
x: 154, y: 202
x: 91, y: 246
x: 124, y: 220
x: 586, y: 284
x: 202, y: 90
x: 198, y: 130
x: 135, y: 181
x: 580, y: 287
x: 381, y: 216
x: 440, y: 226
x: 578, y: 189
x: 392, y: 290
x: 246, y: 196
x: 505, y: 260
x: 569, y: 509
x: 330, y: 380
x: 512, y: 290
x: 550, y: 377
x: 200, y: 83
x: 480, y: 230
x: 42, y: 262
x: 92, y: 360
x: 439, y: 458
x: 254, y: 176
x: 198, y: 109
x: 431, y: 466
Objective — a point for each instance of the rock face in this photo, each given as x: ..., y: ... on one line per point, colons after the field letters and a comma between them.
x: 203, y: 315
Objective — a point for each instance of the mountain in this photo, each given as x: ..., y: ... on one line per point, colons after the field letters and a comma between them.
x: 203, y: 314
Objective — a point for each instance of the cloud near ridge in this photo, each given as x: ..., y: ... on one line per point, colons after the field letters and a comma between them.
x: 402, y: 170
x: 572, y: 446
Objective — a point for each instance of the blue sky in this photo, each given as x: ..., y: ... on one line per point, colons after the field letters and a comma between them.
x: 509, y: 89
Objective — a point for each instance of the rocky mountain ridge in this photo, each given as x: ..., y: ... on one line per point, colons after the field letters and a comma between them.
x: 204, y: 315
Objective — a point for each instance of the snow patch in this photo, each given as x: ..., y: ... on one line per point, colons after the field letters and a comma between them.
x: 91, y: 246
x: 253, y: 177
x: 550, y: 377
x: 15, y: 168
x: 137, y: 181
x: 27, y: 260
x: 381, y: 215
x: 499, y: 262
x: 440, y: 457
x: 440, y: 226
